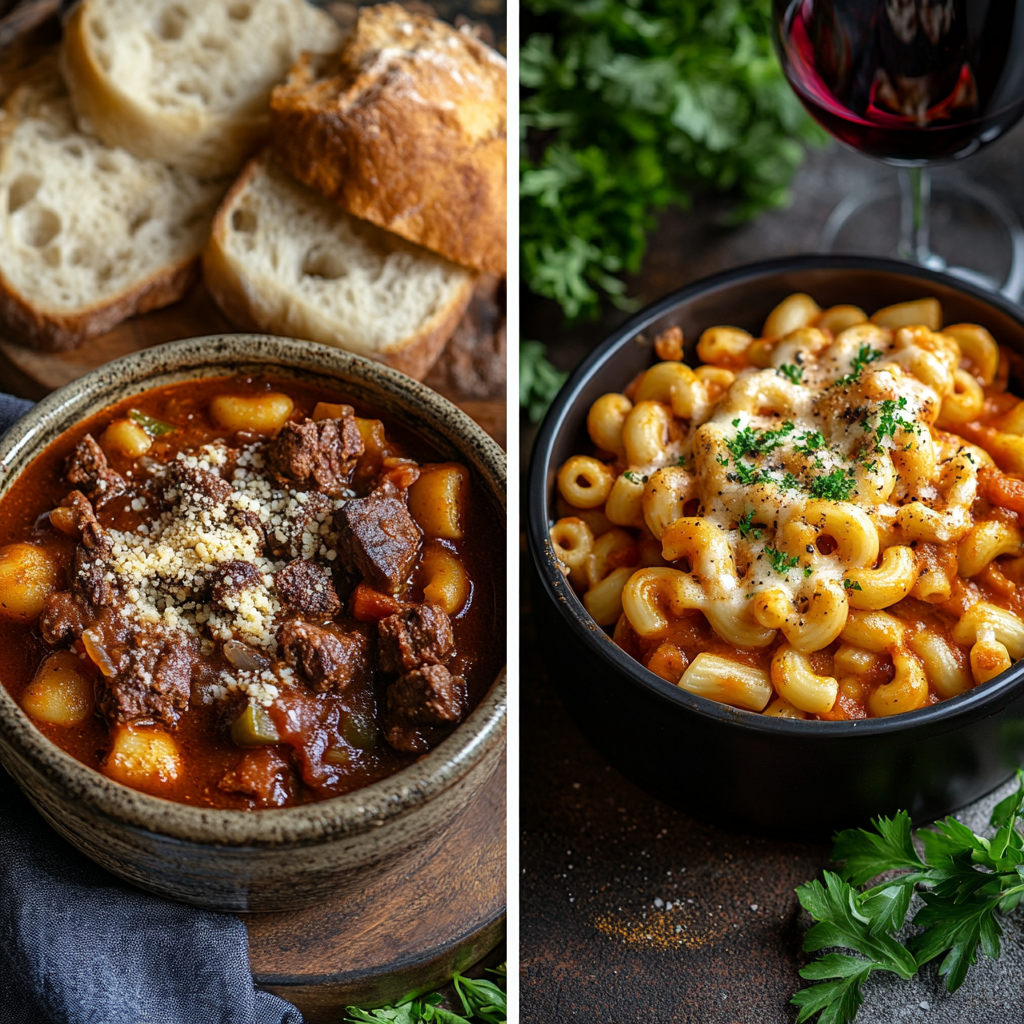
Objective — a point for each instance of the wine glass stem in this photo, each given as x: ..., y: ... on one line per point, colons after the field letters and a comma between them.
x: 915, y: 209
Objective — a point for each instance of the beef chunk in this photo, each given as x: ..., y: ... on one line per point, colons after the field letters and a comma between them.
x: 89, y: 582
x: 263, y: 775
x: 63, y: 620
x: 229, y: 579
x: 329, y: 660
x: 286, y: 538
x: 379, y: 540
x: 154, y: 680
x: 88, y: 468
x: 306, y: 587
x: 200, y: 485
x: 427, y: 696
x: 326, y: 450
x: 420, y: 635
x: 419, y: 705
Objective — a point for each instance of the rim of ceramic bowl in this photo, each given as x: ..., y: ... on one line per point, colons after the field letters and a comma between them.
x: 416, y: 406
x: 573, y: 614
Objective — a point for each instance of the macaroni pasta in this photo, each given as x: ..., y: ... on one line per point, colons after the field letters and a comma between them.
x: 820, y: 522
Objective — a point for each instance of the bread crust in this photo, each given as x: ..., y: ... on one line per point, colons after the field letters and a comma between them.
x: 405, y: 128
x: 244, y: 304
x: 57, y: 332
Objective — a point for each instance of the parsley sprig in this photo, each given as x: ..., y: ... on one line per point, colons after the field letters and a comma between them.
x: 794, y: 373
x: 966, y: 882
x: 483, y: 1002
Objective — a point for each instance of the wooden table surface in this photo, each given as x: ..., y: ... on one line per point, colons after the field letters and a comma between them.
x: 632, y: 912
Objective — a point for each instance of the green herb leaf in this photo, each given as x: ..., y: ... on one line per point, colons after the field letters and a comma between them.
x: 865, y: 355
x: 835, y: 486
x: 632, y: 106
x: 890, y: 422
x: 838, y: 1001
x: 780, y: 561
x: 863, y: 855
x: 635, y: 478
x: 794, y: 373
x: 812, y: 441
x: 967, y: 883
x: 539, y: 381
x: 481, y: 999
x: 746, y: 527
x: 151, y: 425
x: 851, y: 585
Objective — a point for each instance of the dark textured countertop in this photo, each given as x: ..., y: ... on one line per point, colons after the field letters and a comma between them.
x: 631, y: 911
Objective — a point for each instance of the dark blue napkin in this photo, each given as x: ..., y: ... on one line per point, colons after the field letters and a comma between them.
x: 79, y: 946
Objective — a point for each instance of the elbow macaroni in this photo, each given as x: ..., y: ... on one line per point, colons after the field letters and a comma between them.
x: 818, y: 522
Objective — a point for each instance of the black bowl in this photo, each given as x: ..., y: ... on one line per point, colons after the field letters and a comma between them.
x: 801, y: 779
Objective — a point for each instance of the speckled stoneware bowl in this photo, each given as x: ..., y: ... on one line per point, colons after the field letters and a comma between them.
x: 270, y: 859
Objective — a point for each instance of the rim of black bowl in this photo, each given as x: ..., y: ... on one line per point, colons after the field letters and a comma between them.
x: 570, y: 607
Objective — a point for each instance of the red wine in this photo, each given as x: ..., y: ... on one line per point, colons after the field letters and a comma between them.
x: 908, y: 81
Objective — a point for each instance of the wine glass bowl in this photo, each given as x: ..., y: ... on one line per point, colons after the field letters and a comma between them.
x: 913, y: 83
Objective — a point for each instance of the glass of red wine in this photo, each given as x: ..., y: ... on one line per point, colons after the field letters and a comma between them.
x: 913, y: 83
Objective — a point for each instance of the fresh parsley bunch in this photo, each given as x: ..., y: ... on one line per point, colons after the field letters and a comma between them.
x: 539, y: 381
x: 967, y: 884
x: 629, y: 106
x: 483, y: 1002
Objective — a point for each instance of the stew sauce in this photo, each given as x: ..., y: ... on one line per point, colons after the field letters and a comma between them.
x: 241, y: 613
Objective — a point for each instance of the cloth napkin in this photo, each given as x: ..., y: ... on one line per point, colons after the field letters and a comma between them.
x: 79, y: 946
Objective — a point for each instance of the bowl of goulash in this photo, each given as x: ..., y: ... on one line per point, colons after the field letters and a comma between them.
x: 779, y: 563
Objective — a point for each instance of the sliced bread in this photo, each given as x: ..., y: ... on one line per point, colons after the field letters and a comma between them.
x: 89, y: 235
x: 406, y: 128
x: 186, y: 81
x: 282, y: 259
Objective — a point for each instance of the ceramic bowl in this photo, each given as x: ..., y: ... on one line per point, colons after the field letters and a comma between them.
x: 277, y: 859
x: 800, y: 779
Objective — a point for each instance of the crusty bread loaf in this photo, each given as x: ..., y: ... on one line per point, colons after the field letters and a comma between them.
x: 89, y: 235
x: 186, y: 81
x: 284, y: 260
x: 405, y: 127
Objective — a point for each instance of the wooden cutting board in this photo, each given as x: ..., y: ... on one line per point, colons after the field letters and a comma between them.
x: 407, y: 933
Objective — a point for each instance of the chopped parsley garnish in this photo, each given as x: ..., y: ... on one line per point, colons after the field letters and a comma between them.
x: 807, y: 571
x: 634, y: 478
x: 889, y: 419
x: 794, y: 373
x: 748, y: 475
x: 870, y: 466
x: 780, y: 561
x: 723, y: 460
x: 789, y: 483
x: 751, y: 441
x: 812, y: 441
x: 851, y: 585
x: 835, y: 486
x: 746, y: 526
x: 680, y: 460
x: 865, y: 354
